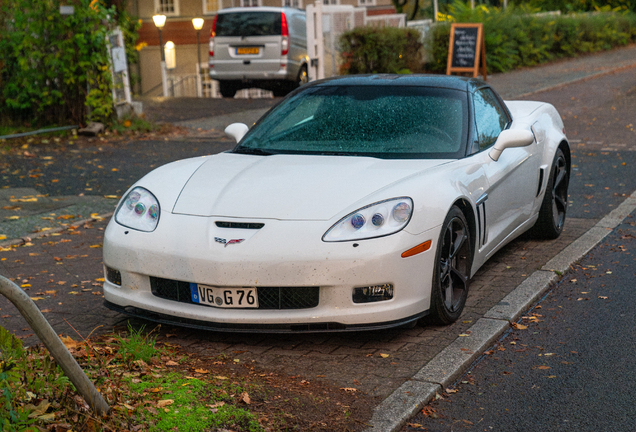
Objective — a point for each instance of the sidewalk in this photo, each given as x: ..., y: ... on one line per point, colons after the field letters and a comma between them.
x: 63, y: 271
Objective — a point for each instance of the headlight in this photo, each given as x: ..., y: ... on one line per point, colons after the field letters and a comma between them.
x: 139, y: 210
x: 375, y: 220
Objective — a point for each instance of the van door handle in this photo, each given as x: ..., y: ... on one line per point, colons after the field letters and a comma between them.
x: 246, y: 62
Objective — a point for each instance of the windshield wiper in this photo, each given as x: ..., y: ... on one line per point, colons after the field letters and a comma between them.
x: 252, y: 151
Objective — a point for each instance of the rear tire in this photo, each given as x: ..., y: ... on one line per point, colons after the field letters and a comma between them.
x: 551, y: 219
x: 451, y: 275
x: 227, y: 89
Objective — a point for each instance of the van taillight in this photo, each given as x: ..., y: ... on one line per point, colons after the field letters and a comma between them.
x: 284, y: 31
x: 212, y: 35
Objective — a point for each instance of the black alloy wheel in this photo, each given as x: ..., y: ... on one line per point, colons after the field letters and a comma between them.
x: 554, y: 207
x: 451, y: 276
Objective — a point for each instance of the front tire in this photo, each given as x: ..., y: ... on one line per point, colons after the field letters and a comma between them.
x: 551, y: 219
x: 451, y: 276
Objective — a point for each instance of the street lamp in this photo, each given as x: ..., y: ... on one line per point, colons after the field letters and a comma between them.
x: 198, y: 25
x: 160, y: 21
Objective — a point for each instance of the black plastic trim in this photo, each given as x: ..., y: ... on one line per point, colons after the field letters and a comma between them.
x: 325, y: 327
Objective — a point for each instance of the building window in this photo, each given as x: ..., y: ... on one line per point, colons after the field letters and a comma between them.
x: 366, y: 2
x: 251, y: 3
x: 331, y: 2
x: 298, y: 4
x: 167, y: 7
x: 212, y: 6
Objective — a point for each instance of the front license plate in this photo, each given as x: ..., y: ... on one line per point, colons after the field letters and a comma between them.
x: 224, y: 297
x: 247, y: 50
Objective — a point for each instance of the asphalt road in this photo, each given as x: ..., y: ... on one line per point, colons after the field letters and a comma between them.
x: 571, y: 369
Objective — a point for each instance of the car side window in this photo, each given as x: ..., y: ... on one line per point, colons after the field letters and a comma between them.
x: 490, y: 117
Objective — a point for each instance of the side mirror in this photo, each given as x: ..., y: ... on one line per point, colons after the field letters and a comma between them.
x: 237, y: 130
x: 511, y: 138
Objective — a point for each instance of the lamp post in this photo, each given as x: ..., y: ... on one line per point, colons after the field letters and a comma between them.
x: 160, y: 21
x: 198, y: 25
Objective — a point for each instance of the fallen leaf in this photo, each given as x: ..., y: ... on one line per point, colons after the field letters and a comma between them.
x: 164, y: 403
x: 220, y: 377
x: 544, y: 367
x: 384, y: 355
x: 414, y: 425
x: 517, y: 326
x: 245, y: 398
x: 172, y: 363
x: 349, y: 389
x: 69, y: 343
x: 202, y: 371
x: 37, y: 298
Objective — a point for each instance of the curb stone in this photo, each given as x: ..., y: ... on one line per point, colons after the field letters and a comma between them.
x: 446, y: 367
x: 26, y: 239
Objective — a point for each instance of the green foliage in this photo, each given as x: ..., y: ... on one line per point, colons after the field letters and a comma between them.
x: 54, y: 68
x: 380, y: 50
x: 130, y: 124
x: 567, y: 6
x: 24, y: 378
x: 517, y: 38
x: 138, y: 346
x: 187, y: 406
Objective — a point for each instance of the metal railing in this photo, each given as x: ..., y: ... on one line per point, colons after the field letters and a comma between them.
x: 50, y: 339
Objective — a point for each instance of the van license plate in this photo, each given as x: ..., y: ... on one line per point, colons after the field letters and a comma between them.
x: 247, y: 50
x: 224, y: 297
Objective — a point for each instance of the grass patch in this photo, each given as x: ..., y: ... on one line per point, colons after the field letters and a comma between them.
x: 140, y: 382
x: 152, y: 385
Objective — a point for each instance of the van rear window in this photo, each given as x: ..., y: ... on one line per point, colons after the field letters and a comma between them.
x: 248, y: 24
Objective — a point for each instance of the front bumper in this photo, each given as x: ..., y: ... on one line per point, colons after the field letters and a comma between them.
x: 281, y: 254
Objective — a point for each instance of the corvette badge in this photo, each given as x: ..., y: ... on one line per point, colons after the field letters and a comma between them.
x: 227, y: 242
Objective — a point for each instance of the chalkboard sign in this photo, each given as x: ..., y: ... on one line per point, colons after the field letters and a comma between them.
x: 467, y: 50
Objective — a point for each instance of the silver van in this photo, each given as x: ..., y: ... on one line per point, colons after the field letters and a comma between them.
x: 264, y: 47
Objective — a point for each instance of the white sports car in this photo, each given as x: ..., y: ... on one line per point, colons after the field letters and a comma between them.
x: 361, y: 202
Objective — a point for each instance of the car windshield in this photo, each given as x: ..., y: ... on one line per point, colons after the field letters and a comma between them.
x: 248, y: 24
x: 377, y: 121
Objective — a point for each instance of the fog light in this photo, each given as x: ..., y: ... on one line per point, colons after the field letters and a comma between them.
x: 113, y: 276
x: 373, y: 293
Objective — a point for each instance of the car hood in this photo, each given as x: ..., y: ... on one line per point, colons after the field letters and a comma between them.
x: 289, y: 187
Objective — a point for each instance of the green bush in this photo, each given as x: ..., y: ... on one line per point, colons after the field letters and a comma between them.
x: 380, y: 50
x: 516, y: 38
x: 54, y: 69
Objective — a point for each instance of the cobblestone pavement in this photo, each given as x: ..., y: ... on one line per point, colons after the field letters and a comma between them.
x: 63, y: 272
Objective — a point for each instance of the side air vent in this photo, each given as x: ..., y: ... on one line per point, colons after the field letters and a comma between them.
x: 239, y: 225
x: 541, y: 174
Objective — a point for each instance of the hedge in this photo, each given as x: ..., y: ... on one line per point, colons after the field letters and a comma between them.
x: 515, y: 38
x: 380, y: 50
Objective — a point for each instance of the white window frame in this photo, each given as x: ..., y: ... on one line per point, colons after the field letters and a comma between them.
x: 365, y: 3
x: 159, y: 11
x: 258, y: 3
x: 331, y: 2
x: 205, y: 7
x: 300, y: 4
